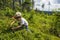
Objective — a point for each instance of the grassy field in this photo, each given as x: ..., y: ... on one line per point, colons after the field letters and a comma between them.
x: 41, y: 25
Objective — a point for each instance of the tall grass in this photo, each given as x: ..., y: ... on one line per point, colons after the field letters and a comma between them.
x: 42, y: 26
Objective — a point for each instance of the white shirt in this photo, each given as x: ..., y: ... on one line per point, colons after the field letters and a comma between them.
x: 24, y: 21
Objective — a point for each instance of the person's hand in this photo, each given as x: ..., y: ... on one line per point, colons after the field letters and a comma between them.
x: 13, y: 17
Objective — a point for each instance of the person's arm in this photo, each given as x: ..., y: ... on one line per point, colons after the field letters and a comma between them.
x: 12, y: 23
x: 21, y: 24
x: 18, y: 27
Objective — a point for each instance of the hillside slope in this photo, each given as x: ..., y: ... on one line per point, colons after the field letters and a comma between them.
x: 42, y: 27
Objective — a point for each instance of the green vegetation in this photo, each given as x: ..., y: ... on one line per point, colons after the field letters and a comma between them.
x: 42, y: 26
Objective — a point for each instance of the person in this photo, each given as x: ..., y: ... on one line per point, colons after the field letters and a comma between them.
x: 21, y: 21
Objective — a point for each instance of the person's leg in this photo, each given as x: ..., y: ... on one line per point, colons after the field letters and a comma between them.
x: 26, y: 27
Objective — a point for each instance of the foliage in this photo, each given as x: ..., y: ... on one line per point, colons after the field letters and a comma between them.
x: 41, y: 25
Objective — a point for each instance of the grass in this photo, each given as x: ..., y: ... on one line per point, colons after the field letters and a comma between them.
x: 39, y: 24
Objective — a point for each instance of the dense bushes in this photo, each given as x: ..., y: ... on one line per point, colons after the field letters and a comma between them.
x: 41, y: 25
x: 7, y: 12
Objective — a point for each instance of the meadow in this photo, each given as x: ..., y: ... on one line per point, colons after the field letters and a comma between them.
x: 43, y: 26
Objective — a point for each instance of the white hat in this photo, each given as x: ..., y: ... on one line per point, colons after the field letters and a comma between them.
x: 18, y: 14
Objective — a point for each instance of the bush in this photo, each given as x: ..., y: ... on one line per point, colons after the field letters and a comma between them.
x: 40, y: 25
